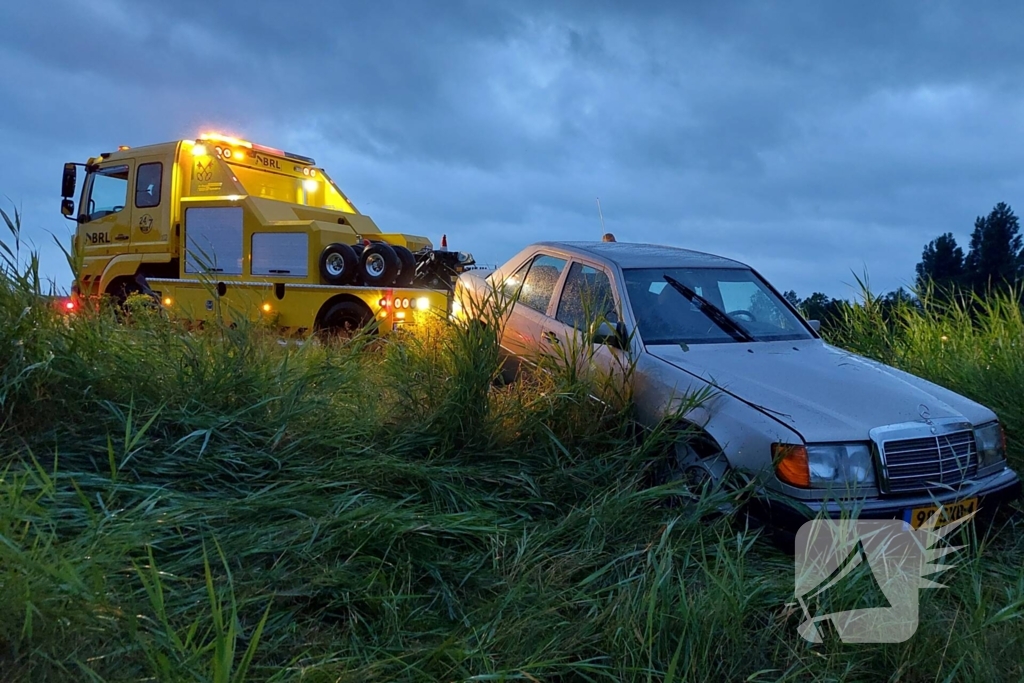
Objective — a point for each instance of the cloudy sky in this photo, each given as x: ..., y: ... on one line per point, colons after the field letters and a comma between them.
x: 809, y: 139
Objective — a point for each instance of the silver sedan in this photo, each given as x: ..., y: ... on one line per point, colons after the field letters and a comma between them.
x: 818, y: 428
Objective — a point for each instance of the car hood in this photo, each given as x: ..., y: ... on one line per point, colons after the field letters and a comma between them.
x: 824, y: 393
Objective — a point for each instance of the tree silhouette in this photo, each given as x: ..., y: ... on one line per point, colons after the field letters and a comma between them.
x: 942, y: 264
x: 823, y: 308
x: 995, y: 257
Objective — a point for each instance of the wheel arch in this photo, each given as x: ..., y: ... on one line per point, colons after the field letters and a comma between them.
x: 336, y: 299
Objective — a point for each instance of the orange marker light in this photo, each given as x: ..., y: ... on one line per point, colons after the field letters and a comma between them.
x: 791, y: 464
x: 266, y: 308
x: 167, y: 301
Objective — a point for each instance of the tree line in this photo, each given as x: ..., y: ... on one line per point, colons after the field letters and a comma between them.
x: 994, y: 261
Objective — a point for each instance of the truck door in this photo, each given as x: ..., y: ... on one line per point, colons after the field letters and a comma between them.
x: 150, y: 228
x: 103, y: 223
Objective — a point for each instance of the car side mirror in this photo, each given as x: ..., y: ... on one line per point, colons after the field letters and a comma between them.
x: 67, y: 207
x: 69, y: 182
x: 815, y: 325
x: 608, y: 335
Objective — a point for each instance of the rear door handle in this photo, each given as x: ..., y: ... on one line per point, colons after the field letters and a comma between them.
x: 550, y: 337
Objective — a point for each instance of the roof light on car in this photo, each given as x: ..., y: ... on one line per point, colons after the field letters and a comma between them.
x: 791, y: 464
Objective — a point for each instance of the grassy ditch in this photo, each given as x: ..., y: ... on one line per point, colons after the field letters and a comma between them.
x: 213, y: 506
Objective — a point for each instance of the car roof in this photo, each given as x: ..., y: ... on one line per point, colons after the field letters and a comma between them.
x: 639, y: 255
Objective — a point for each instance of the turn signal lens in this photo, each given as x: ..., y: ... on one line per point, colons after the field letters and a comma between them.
x: 791, y: 464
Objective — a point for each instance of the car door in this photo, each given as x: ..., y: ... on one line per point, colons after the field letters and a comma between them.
x: 533, y: 285
x: 586, y: 299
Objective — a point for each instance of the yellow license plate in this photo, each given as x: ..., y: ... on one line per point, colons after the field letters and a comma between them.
x: 950, y: 512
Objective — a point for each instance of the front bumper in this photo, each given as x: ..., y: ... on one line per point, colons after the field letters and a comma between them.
x: 787, y: 514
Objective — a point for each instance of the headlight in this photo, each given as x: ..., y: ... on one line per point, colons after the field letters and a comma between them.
x: 825, y: 465
x: 991, y: 444
x: 843, y: 464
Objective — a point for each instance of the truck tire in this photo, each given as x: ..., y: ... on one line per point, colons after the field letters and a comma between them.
x: 379, y: 265
x: 408, y: 273
x: 338, y: 264
x: 344, y: 319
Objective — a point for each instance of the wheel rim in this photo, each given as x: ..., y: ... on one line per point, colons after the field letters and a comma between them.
x: 335, y: 265
x: 375, y: 265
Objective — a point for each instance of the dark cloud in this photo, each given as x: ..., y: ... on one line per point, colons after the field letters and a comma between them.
x: 810, y: 139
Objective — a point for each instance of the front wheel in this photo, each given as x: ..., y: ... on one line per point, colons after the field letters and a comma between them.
x: 702, y: 474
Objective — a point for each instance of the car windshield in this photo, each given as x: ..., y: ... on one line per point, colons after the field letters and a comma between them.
x: 665, y: 316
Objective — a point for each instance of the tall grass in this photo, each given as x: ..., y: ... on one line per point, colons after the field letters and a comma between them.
x: 210, y: 505
x: 969, y: 343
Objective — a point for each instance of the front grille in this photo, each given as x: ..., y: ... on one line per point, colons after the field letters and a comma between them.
x: 930, y: 462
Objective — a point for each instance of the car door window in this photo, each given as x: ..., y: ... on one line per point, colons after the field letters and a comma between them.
x: 108, y: 193
x: 539, y: 284
x: 586, y: 297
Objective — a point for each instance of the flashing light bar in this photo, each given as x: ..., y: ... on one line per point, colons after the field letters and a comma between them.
x: 238, y: 142
x: 218, y: 137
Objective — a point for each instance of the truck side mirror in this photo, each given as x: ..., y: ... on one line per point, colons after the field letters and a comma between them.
x: 815, y: 325
x: 67, y: 207
x: 70, y: 180
x: 606, y: 334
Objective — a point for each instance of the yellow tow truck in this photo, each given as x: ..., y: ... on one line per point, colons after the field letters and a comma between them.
x: 223, y: 226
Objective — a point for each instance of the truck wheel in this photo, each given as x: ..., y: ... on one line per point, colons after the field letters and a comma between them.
x: 408, y: 274
x: 338, y: 264
x: 379, y: 265
x: 344, y: 319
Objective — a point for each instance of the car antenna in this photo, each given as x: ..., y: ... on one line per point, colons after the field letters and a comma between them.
x: 599, y: 214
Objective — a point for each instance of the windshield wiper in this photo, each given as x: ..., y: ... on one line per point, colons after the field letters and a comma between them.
x: 727, y: 324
